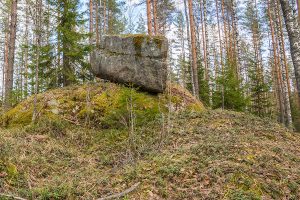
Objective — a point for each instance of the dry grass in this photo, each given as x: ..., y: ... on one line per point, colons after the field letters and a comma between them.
x: 207, y: 155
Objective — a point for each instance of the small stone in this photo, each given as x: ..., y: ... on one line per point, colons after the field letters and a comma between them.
x: 55, y: 111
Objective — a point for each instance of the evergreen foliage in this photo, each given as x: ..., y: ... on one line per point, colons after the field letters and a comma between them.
x: 71, y: 39
x: 259, y: 89
x: 116, y: 21
x: 204, y: 85
x: 231, y: 90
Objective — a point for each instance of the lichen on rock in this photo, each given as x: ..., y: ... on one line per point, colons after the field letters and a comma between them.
x: 138, y: 59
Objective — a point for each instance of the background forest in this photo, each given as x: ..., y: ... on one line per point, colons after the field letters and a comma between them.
x: 240, y: 55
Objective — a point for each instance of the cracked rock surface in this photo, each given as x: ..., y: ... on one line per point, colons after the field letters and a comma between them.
x: 139, y: 60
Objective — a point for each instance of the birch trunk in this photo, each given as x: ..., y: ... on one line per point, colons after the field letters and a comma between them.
x: 283, y: 69
x: 293, y: 29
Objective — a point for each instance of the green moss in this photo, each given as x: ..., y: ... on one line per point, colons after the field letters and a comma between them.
x: 243, y: 195
x: 17, y: 116
x: 244, y: 187
x: 110, y: 106
x: 139, y: 39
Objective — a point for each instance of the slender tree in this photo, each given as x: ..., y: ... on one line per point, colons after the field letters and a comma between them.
x: 193, y: 49
x: 293, y: 29
x: 149, y: 18
x: 11, y: 54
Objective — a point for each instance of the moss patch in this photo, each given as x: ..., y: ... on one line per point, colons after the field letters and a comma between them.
x: 110, y: 106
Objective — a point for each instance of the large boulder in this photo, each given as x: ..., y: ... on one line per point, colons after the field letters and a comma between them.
x: 133, y: 59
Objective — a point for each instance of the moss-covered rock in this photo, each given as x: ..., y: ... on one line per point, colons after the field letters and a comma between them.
x: 110, y: 105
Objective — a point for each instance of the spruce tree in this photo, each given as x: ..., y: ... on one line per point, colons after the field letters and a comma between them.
x: 71, y: 39
x: 234, y: 95
x: 259, y: 89
x: 116, y: 21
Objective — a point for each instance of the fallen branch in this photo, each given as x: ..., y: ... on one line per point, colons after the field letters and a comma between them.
x: 11, y: 196
x: 71, y: 121
x: 121, y: 194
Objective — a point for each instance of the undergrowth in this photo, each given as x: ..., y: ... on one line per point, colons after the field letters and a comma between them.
x: 185, y: 154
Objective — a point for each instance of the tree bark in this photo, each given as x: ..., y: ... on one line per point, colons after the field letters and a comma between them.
x: 278, y: 16
x: 236, y: 36
x: 97, y: 23
x: 203, y: 41
x: 26, y: 50
x: 193, y: 46
x: 154, y: 5
x: 293, y: 29
x: 5, y: 64
x: 91, y: 28
x: 149, y: 18
x: 219, y: 36
x: 298, y: 7
x: 11, y: 55
x: 189, y: 44
x: 38, y: 31
x: 104, y: 17
x: 276, y: 68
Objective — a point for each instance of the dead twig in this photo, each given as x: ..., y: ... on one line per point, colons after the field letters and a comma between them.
x: 71, y: 121
x: 121, y: 194
x: 11, y: 196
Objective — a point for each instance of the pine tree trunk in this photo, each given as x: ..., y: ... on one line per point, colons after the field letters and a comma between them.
x: 11, y: 55
x: 149, y: 18
x: 224, y: 26
x: 154, y: 5
x: 26, y: 51
x: 58, y: 67
x: 5, y: 63
x: 236, y: 37
x: 193, y: 47
x: 293, y: 29
x: 203, y: 41
x: 68, y: 71
x: 278, y: 16
x: 206, y: 37
x: 207, y: 48
x: 189, y: 45
x: 283, y: 69
x: 298, y: 7
x: 183, y: 65
x: 219, y: 36
x: 91, y: 21
x: 276, y: 68
x: 104, y: 17
x: 97, y: 23
x: 38, y: 30
x: 221, y: 47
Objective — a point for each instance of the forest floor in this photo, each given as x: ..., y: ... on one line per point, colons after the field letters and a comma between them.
x: 189, y: 154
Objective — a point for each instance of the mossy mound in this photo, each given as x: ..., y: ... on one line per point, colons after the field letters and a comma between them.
x: 162, y: 142
x: 101, y: 105
x: 186, y: 155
